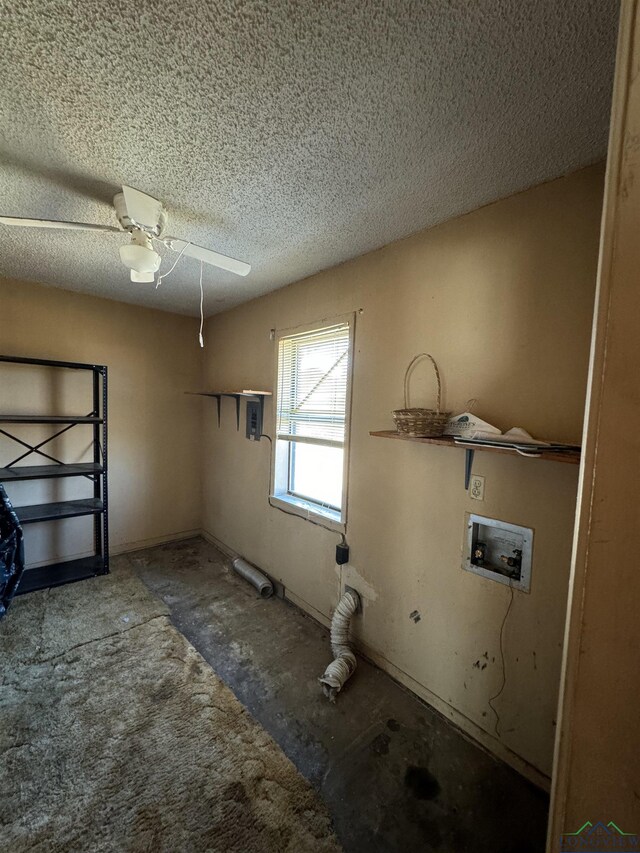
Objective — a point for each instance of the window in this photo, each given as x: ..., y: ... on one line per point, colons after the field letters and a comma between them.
x: 312, y: 415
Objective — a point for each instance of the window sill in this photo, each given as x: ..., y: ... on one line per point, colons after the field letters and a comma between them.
x: 307, y: 509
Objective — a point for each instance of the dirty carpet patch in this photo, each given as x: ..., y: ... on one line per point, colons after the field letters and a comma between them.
x: 115, y: 735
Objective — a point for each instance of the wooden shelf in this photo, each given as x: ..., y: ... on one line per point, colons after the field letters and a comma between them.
x: 231, y: 393
x: 571, y: 457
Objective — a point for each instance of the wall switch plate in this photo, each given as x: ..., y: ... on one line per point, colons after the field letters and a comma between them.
x: 476, y: 488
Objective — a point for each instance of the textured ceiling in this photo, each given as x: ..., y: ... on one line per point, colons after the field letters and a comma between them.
x: 293, y: 134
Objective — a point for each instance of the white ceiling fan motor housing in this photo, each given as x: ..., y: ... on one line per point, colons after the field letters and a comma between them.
x: 150, y: 217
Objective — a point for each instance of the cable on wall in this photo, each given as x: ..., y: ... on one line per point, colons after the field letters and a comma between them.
x: 504, y: 671
x: 200, y: 338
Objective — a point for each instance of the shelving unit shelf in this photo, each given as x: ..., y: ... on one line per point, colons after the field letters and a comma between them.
x: 46, y: 472
x: 96, y: 507
x: 61, y: 509
x: 57, y: 574
x: 570, y: 457
x: 47, y: 419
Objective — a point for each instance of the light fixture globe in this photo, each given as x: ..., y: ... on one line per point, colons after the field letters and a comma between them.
x: 140, y: 259
x: 142, y: 276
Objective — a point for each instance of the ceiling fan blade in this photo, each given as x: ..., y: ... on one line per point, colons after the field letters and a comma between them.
x: 54, y: 223
x: 142, y: 209
x: 208, y: 256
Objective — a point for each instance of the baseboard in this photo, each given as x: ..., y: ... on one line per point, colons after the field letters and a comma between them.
x: 126, y: 547
x: 211, y: 539
x: 123, y: 548
x: 307, y: 608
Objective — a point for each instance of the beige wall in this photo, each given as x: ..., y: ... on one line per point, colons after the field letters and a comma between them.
x: 598, y: 749
x: 154, y: 429
x: 503, y: 298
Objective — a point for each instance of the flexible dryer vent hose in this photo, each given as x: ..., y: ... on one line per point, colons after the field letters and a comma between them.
x: 254, y: 576
x: 343, y: 667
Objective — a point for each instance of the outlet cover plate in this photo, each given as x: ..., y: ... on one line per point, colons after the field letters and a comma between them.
x: 476, y: 488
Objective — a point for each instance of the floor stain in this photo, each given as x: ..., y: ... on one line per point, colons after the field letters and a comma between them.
x: 380, y: 744
x: 422, y: 784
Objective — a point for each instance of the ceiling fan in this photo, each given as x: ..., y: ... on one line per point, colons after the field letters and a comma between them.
x: 145, y: 219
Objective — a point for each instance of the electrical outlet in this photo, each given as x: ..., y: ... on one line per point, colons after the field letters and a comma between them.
x: 476, y: 488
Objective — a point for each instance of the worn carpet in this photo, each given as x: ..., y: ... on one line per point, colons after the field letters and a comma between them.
x: 115, y: 735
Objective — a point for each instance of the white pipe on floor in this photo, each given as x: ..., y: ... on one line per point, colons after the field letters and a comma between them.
x: 343, y: 667
x: 254, y: 576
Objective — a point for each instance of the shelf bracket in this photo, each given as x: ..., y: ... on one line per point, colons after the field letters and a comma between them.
x: 237, y: 396
x: 468, y: 466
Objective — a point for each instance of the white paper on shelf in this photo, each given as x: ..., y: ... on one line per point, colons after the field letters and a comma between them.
x: 467, y: 423
x: 518, y: 435
x: 483, y: 435
x: 515, y: 437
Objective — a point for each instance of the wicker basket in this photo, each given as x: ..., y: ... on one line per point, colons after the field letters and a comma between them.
x: 424, y: 423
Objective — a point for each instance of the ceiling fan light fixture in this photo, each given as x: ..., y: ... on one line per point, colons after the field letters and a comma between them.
x: 140, y: 259
x: 145, y: 277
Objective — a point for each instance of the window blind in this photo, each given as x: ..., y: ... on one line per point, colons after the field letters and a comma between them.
x: 313, y: 369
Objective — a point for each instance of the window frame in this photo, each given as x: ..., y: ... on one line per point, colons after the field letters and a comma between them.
x: 280, y: 494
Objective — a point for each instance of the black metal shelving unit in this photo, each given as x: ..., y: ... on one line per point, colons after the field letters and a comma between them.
x: 97, y: 507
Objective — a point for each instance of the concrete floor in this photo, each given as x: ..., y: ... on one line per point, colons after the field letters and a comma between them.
x: 395, y: 774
